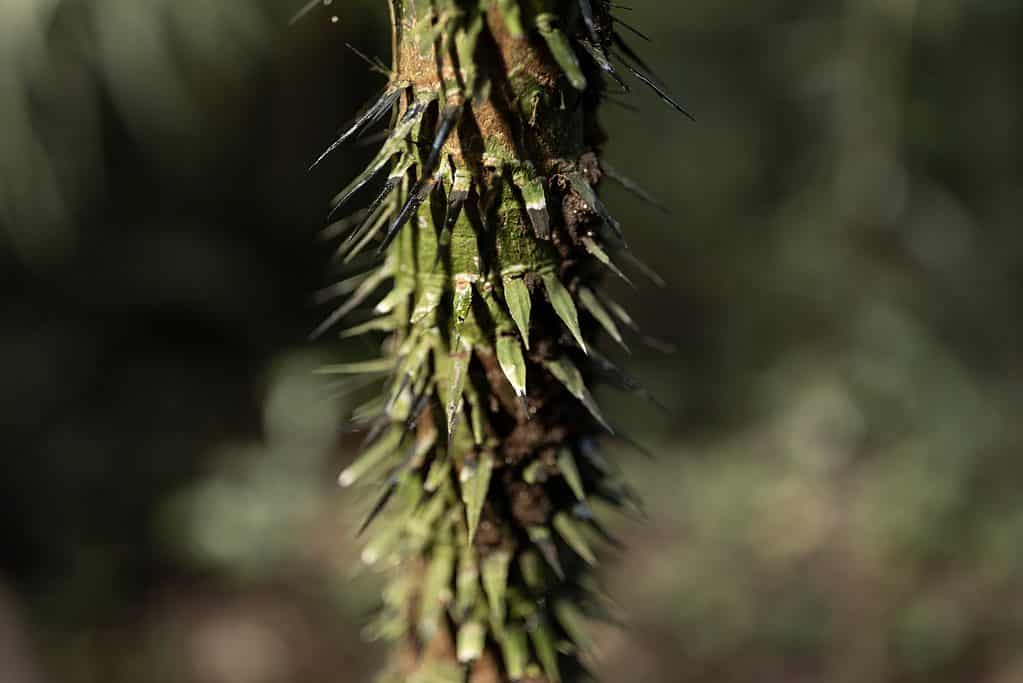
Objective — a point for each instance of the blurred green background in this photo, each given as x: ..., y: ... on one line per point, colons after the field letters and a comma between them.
x: 836, y: 500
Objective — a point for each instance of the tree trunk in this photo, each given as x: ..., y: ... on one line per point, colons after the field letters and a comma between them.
x: 492, y: 240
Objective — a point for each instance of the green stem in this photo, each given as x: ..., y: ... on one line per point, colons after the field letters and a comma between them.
x: 494, y: 240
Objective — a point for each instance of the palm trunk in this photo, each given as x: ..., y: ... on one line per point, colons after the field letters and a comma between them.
x: 492, y: 240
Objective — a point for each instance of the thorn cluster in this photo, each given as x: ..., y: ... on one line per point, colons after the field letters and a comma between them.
x: 479, y: 259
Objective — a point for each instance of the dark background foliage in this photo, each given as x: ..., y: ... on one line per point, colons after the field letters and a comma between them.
x: 836, y: 495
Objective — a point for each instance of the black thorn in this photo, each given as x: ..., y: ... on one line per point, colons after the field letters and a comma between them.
x: 343, y: 227
x: 415, y: 414
x: 377, y: 426
x: 406, y: 379
x: 587, y: 194
x: 632, y: 28
x: 587, y: 11
x: 600, y: 57
x: 661, y: 93
x: 652, y: 83
x: 448, y: 118
x: 646, y: 270
x: 634, y: 56
x: 365, y: 118
x: 412, y: 204
x: 343, y: 199
x: 456, y: 201
x: 374, y: 65
x: 636, y: 446
x: 378, y: 507
x: 623, y: 380
x: 632, y: 187
x: 355, y: 238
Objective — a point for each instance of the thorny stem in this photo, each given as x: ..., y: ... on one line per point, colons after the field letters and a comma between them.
x: 494, y: 242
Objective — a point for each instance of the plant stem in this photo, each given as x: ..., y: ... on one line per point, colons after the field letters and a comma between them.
x: 493, y: 242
